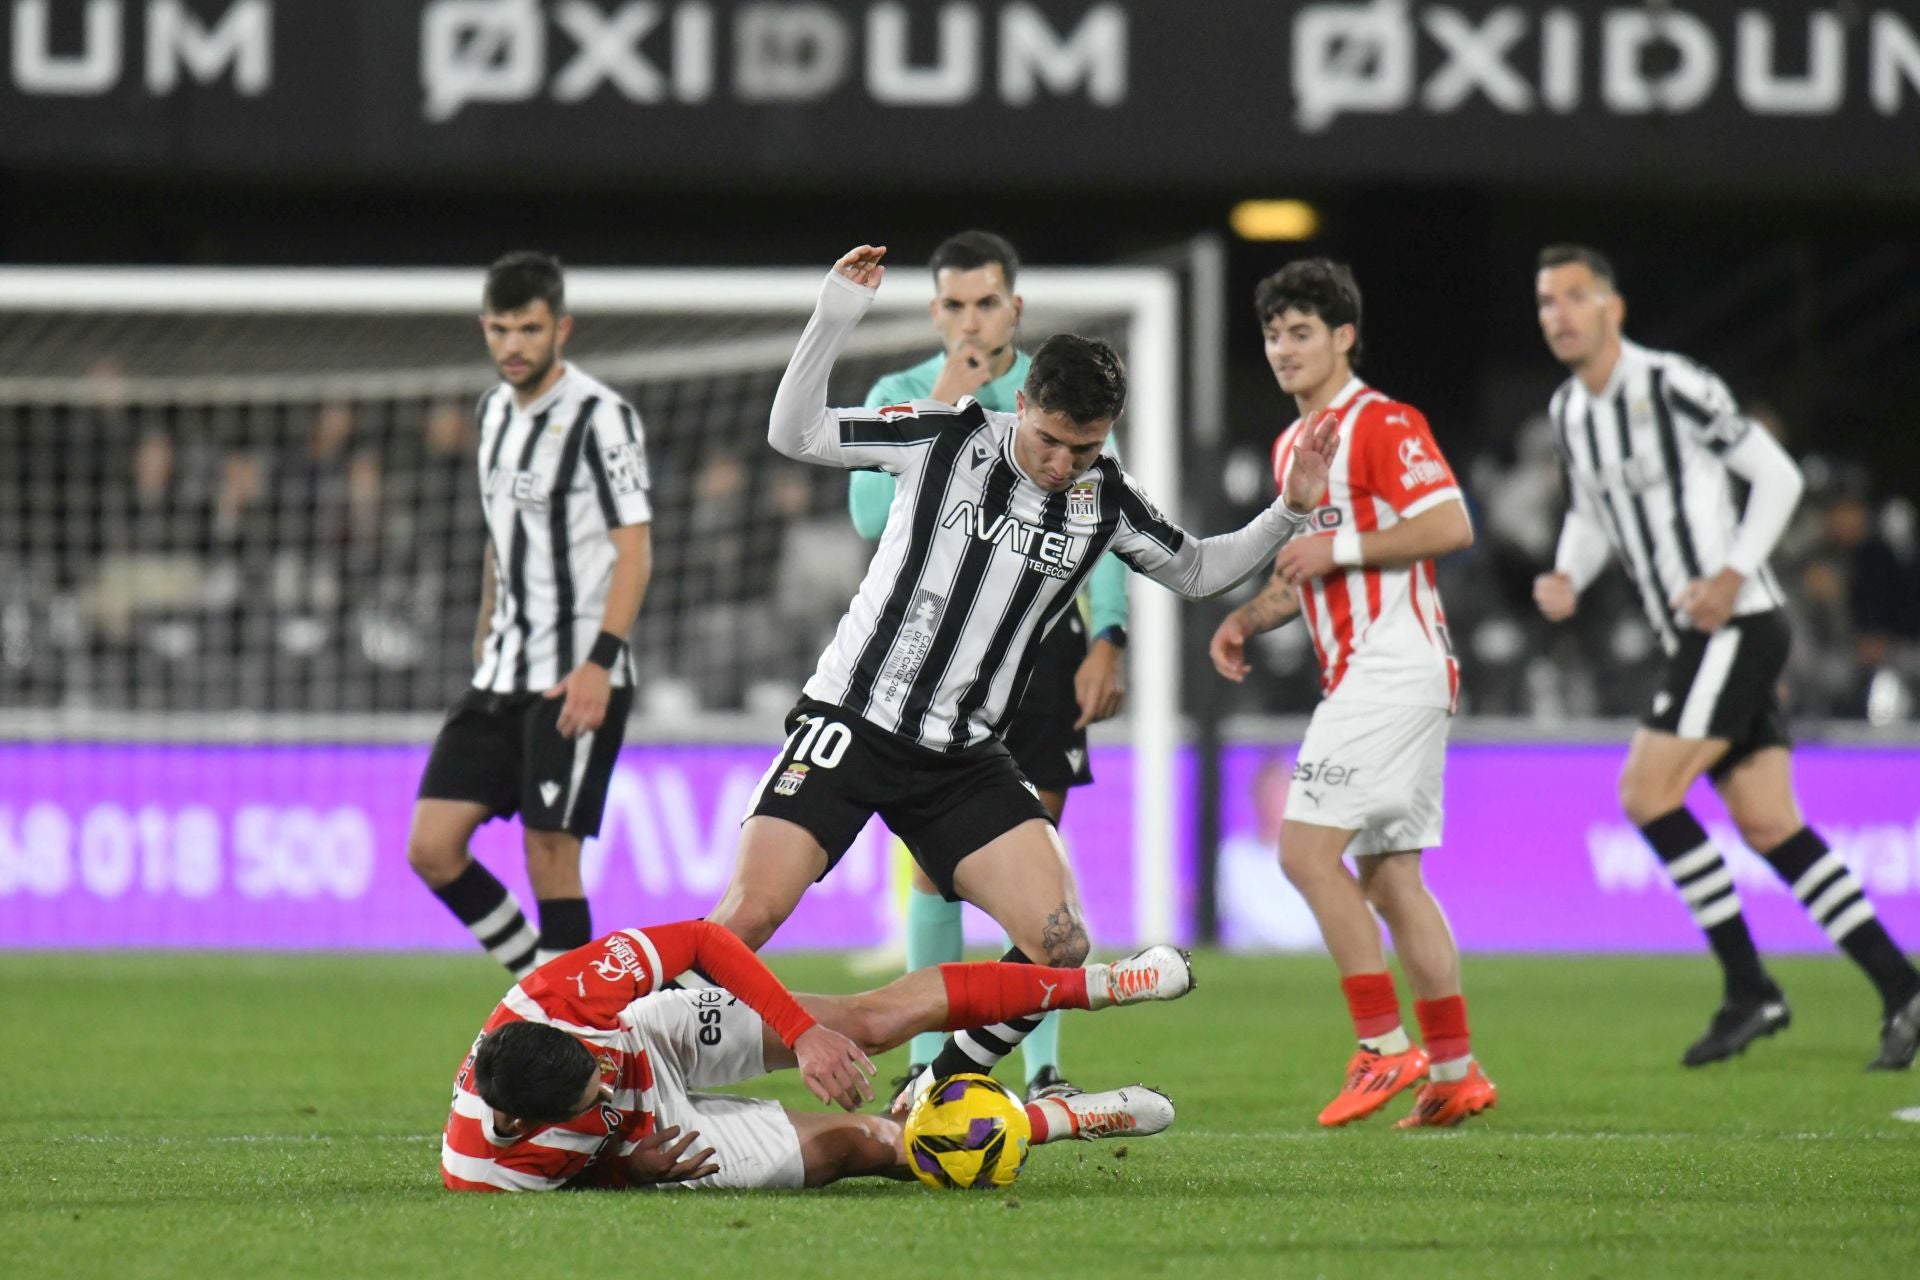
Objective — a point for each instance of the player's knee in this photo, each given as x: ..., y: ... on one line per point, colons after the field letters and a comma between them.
x: 435, y: 859
x: 1300, y: 867
x: 1765, y: 833
x: 749, y: 919
x: 1644, y: 798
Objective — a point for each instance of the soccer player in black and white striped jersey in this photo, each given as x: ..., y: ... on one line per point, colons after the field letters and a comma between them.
x: 1651, y: 445
x: 995, y: 523
x: 563, y: 477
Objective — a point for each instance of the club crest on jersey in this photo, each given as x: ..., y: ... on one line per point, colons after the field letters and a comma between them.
x: 1420, y: 468
x: 790, y: 780
x: 1083, y: 502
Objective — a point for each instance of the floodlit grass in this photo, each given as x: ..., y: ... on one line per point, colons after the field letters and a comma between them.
x: 243, y: 1115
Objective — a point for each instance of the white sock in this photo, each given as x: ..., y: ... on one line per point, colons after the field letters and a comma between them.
x: 1451, y: 1069
x: 1394, y: 1041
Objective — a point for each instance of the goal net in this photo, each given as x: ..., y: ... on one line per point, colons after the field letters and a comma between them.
x: 241, y: 506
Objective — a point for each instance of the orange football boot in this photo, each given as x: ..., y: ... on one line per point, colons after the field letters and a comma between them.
x: 1372, y: 1080
x: 1444, y: 1103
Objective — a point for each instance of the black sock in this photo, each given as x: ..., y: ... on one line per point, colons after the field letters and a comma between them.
x: 483, y: 904
x: 565, y: 923
x: 980, y: 1049
x: 1833, y: 897
x: 1705, y: 883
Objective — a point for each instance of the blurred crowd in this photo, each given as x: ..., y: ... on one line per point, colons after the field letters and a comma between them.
x: 327, y: 558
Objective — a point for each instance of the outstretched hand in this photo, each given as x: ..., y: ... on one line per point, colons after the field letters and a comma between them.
x: 833, y: 1067
x: 1312, y: 461
x: 653, y: 1161
x: 862, y: 266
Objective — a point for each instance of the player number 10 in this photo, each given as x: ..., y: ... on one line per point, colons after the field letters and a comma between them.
x: 823, y: 741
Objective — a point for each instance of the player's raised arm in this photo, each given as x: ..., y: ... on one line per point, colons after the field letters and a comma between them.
x: 802, y: 425
x: 1204, y: 567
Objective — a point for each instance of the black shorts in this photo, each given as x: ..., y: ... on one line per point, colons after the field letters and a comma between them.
x: 1726, y: 685
x: 1039, y: 732
x: 836, y: 770
x: 505, y: 751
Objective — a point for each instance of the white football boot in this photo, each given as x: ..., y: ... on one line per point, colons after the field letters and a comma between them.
x: 1157, y: 973
x: 1133, y: 1112
x: 917, y: 1087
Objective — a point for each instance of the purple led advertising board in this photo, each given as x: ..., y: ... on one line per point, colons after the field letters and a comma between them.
x: 1538, y: 857
x: 302, y: 847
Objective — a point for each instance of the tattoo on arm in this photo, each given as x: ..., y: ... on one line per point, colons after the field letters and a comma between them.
x: 1276, y: 603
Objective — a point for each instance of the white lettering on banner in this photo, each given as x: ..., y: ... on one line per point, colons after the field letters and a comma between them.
x: 480, y: 51
x: 1885, y: 856
x: 238, y: 43
x: 1362, y: 58
x: 954, y: 76
x: 497, y: 51
x: 36, y: 852
x: 654, y: 826
x: 109, y: 851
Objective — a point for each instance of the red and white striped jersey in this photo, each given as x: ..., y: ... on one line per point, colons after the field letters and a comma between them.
x: 1381, y: 634
x: 591, y: 993
x: 584, y: 993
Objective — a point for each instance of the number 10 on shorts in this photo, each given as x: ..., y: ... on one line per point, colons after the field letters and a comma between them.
x: 815, y: 741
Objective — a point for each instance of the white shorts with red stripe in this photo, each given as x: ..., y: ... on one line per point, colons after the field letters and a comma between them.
x: 1374, y: 769
x: 702, y: 1040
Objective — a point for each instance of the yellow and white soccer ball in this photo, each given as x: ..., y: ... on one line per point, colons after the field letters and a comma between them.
x: 968, y: 1134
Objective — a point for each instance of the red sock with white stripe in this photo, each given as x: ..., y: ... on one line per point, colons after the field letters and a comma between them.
x: 987, y: 993
x: 1443, y: 1025
x: 1375, y: 1008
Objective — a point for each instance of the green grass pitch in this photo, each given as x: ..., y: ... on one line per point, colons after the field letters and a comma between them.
x: 244, y: 1115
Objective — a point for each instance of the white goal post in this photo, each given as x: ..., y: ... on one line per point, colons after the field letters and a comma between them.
x: 1144, y: 302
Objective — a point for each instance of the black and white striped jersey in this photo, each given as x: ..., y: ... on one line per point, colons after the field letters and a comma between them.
x: 555, y: 477
x: 976, y: 560
x: 1650, y: 464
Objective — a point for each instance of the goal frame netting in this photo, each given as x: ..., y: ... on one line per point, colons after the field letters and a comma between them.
x: 1148, y: 298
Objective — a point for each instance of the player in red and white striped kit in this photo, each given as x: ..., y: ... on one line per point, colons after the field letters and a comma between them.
x: 588, y: 1074
x: 1367, y: 781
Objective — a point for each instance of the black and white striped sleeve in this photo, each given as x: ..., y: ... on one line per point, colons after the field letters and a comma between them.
x: 1196, y: 568
x: 1702, y: 402
x: 616, y: 463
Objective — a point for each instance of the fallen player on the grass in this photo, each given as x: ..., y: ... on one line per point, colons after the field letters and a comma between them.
x: 587, y: 1074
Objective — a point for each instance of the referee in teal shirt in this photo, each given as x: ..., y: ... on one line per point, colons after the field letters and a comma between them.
x: 977, y: 315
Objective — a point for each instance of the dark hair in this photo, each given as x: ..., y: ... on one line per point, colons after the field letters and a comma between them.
x: 523, y: 277
x: 1315, y: 287
x: 1080, y: 377
x: 971, y: 250
x: 1566, y: 255
x: 532, y: 1072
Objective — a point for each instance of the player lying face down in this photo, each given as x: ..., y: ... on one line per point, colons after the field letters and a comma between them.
x: 588, y: 1075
